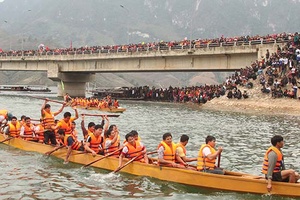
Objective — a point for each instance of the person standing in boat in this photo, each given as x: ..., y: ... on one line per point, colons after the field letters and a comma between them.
x: 207, y: 157
x: 167, y: 153
x: 48, y: 121
x: 273, y: 165
x: 14, y: 127
x: 181, y: 150
x: 67, y: 98
x: 133, y: 148
x: 94, y: 141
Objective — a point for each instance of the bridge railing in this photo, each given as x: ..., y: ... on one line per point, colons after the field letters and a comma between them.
x: 158, y: 47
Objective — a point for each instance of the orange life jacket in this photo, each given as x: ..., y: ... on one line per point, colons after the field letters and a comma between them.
x: 134, y: 151
x: 279, y: 161
x: 48, y: 119
x: 204, y: 162
x: 95, y: 142
x: 169, y: 152
x: 76, y: 144
x: 41, y: 133
x: 113, y: 147
x: 14, y: 130
x: 66, y: 126
x: 183, y: 147
x: 28, y: 131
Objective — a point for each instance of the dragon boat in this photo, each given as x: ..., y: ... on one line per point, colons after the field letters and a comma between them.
x: 231, y: 181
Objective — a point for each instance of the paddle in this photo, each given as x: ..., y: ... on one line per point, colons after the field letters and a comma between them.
x: 100, y: 115
x: 50, y: 152
x: 219, y: 160
x: 102, y: 157
x: 130, y: 161
x: 6, y: 139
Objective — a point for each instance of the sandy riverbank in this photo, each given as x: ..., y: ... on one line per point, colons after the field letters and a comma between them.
x: 265, y: 106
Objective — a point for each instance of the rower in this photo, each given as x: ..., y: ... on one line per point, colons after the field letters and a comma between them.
x: 5, y: 116
x: 27, y: 131
x: 91, y: 127
x: 94, y: 141
x: 207, y: 157
x: 116, y: 103
x: 167, y: 153
x: 112, y: 140
x: 13, y: 128
x: 39, y: 131
x: 74, y: 131
x: 132, y: 149
x: 70, y: 142
x: 66, y: 122
x: 181, y: 150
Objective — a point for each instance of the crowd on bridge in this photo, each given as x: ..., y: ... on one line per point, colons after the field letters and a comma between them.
x: 153, y: 46
x: 277, y: 72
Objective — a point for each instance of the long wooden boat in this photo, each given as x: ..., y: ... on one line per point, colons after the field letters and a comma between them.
x: 109, y: 109
x: 25, y: 88
x: 231, y: 181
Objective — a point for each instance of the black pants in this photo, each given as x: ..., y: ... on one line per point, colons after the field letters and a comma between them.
x: 49, y: 135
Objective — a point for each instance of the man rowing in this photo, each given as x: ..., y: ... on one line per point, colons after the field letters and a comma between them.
x: 112, y: 141
x: 181, y: 150
x: 66, y: 122
x: 273, y: 165
x: 48, y: 121
x: 14, y: 127
x: 27, y: 131
x: 207, y: 157
x: 94, y: 141
x: 167, y: 153
x: 132, y: 149
x: 70, y: 142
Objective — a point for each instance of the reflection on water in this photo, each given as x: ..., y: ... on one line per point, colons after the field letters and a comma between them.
x: 243, y: 137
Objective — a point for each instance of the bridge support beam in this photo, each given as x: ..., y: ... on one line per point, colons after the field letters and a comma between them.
x: 73, y: 83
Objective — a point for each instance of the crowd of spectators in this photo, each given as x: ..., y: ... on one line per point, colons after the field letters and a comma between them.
x: 276, y: 71
x: 153, y: 46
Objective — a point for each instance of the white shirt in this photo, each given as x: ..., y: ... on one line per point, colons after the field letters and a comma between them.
x: 206, y: 151
x: 2, y: 118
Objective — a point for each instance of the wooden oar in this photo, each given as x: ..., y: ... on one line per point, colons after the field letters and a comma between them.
x: 130, y: 161
x: 100, y: 115
x: 6, y: 139
x: 102, y: 157
x: 50, y: 152
x: 219, y: 160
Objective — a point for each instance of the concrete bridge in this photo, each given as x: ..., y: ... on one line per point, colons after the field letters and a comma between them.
x: 76, y: 69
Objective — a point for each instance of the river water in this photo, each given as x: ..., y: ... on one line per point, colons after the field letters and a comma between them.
x: 244, y: 138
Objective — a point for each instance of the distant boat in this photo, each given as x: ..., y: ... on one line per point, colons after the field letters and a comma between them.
x: 121, y: 93
x: 25, y: 88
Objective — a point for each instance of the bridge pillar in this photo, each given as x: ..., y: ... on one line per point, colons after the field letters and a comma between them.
x: 73, y: 83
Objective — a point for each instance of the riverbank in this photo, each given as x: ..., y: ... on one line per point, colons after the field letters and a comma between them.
x: 257, y: 103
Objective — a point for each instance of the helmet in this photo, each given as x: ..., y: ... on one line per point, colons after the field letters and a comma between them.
x: 9, y: 116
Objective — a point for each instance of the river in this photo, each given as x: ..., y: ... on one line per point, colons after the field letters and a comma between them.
x: 244, y: 138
